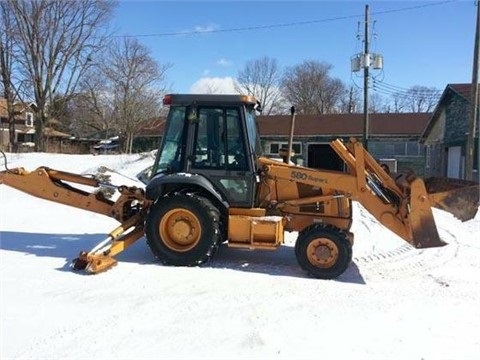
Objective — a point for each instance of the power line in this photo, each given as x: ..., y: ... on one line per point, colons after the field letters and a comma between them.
x: 411, y: 94
x: 396, y: 90
x: 290, y: 24
x: 402, y: 89
x: 393, y: 90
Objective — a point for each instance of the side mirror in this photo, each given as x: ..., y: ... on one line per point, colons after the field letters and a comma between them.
x: 258, y: 107
x: 145, y: 175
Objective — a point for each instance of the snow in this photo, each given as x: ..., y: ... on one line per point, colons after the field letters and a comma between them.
x: 394, y: 301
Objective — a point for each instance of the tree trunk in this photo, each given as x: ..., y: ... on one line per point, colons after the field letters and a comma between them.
x: 13, y: 146
x: 11, y: 134
x: 128, y: 143
x: 39, y: 126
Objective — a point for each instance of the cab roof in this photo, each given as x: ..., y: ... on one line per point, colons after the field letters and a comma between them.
x: 211, y: 99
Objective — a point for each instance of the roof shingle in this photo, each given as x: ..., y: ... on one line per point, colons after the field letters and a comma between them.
x: 345, y: 124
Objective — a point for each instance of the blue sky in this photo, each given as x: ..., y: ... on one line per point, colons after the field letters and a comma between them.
x: 427, y: 43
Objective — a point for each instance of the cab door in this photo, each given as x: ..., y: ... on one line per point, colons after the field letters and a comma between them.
x: 219, y: 152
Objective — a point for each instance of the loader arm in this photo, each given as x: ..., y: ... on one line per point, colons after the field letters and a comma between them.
x: 61, y: 187
x: 404, y: 209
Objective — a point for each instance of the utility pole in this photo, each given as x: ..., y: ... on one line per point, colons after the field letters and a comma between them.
x: 366, y: 66
x: 366, y: 60
x: 472, y: 124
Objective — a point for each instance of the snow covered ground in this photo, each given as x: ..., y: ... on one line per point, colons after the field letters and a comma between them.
x: 394, y: 302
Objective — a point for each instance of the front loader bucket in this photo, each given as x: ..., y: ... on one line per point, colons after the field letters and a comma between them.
x: 458, y: 197
x: 424, y: 229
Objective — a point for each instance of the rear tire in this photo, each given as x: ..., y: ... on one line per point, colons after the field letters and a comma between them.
x: 323, y: 252
x: 183, y: 229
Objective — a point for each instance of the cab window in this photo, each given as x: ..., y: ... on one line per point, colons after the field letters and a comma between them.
x: 172, y: 152
x: 218, y: 141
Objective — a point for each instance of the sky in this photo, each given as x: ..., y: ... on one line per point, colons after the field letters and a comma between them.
x: 393, y: 302
x: 429, y: 43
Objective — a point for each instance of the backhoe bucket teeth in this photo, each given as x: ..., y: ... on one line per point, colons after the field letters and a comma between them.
x: 458, y: 197
x: 79, y: 264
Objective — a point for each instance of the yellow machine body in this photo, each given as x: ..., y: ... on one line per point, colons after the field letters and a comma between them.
x: 185, y: 219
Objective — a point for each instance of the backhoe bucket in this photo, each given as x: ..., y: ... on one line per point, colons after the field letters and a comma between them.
x: 458, y: 197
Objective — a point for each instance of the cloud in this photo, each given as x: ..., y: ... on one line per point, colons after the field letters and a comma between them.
x: 214, y: 85
x: 200, y: 29
x: 206, y: 28
x: 224, y: 62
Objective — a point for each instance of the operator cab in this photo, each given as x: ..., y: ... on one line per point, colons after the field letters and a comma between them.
x: 214, y: 137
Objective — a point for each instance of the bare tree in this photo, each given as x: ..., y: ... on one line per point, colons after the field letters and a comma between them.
x: 311, y: 89
x: 136, y: 86
x: 57, y: 41
x: 398, y: 102
x: 350, y: 101
x: 377, y: 103
x: 92, y: 109
x: 7, y: 48
x: 261, y: 78
x: 211, y: 88
x: 422, y: 98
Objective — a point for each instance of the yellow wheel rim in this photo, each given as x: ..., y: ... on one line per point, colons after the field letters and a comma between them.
x: 180, y: 230
x: 322, y: 252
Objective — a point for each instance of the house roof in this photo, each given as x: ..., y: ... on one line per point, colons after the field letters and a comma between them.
x: 18, y: 107
x: 464, y: 90
x: 345, y: 124
x: 153, y: 127
x: 406, y: 124
x: 47, y: 131
x: 3, y: 107
x: 54, y: 133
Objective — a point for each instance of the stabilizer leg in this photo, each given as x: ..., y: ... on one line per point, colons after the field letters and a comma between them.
x: 101, y: 257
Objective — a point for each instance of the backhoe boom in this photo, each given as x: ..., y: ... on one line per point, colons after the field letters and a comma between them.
x: 129, y: 208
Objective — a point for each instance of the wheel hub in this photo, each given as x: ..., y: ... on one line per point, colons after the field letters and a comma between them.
x: 180, y: 230
x: 322, y: 253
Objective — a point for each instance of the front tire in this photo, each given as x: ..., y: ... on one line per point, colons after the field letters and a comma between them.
x: 183, y: 229
x: 323, y: 252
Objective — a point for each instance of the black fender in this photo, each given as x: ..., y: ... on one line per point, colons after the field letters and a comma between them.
x: 163, y: 183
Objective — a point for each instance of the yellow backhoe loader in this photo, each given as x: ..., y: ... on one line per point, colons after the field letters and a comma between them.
x: 210, y: 185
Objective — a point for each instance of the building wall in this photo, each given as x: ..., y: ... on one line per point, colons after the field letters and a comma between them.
x: 437, y: 133
x: 449, y: 132
x: 456, y: 120
x: 435, y: 163
x: 407, y: 152
x: 434, y: 147
x: 23, y: 131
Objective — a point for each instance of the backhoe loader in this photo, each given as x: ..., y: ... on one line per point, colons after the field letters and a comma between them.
x: 210, y: 185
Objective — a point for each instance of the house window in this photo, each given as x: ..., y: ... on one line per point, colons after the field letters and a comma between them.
x: 23, y: 138
x: 414, y: 148
x: 29, y: 119
x: 273, y: 148
x: 388, y: 148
